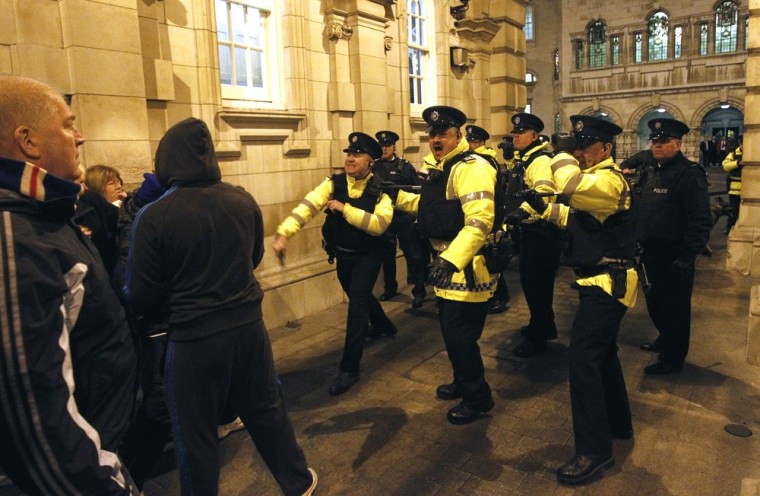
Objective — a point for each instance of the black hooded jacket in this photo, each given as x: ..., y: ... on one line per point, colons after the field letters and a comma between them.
x: 193, y: 252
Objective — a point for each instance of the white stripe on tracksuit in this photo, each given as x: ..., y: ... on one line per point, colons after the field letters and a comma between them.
x: 18, y: 400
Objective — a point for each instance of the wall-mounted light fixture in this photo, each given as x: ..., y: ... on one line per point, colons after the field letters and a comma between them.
x: 725, y: 106
x: 459, y: 57
x: 457, y: 12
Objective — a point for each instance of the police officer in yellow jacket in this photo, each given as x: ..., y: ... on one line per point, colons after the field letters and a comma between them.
x: 601, y: 225
x: 733, y: 165
x: 477, y: 136
x: 455, y: 211
x: 358, y: 212
x: 539, y: 240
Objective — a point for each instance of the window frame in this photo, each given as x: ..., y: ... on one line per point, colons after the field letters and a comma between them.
x: 597, y: 44
x: 732, y: 43
x: 529, y: 27
x: 425, y: 92
x: 272, y: 78
x: 657, y: 53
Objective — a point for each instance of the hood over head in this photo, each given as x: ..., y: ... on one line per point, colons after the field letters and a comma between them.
x: 186, y: 155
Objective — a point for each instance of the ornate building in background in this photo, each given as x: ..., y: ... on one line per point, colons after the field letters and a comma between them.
x: 632, y: 61
x: 281, y: 84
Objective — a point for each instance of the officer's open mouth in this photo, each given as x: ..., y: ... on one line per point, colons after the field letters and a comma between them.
x: 437, y: 148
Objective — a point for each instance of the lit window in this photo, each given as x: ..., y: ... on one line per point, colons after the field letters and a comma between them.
x: 615, y: 49
x: 726, y: 26
x: 746, y: 31
x: 677, y: 42
x: 637, y: 43
x: 528, y: 23
x: 703, y: 31
x: 529, y: 107
x: 579, y: 54
x: 421, y: 89
x: 530, y: 78
x: 658, y: 36
x: 597, y: 44
x: 557, y: 123
x: 556, y: 65
x: 246, y: 37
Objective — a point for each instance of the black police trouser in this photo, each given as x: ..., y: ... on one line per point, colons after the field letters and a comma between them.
x: 734, y: 201
x: 404, y: 229
x: 669, y: 305
x: 501, y: 295
x: 462, y: 325
x: 231, y: 368
x: 357, y: 273
x: 539, y: 260
x: 597, y: 389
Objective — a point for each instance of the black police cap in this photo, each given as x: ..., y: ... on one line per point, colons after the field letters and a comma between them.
x: 363, y: 143
x: 667, y: 128
x: 386, y: 137
x: 476, y: 133
x: 523, y: 121
x: 441, y: 117
x: 588, y: 129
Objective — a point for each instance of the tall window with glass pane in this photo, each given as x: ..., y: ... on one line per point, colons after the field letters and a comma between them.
x: 637, y: 45
x: 726, y: 26
x: 528, y: 29
x: 597, y: 44
x: 678, y: 42
x: 556, y: 65
x: 746, y: 31
x: 615, y: 49
x: 658, y: 36
x: 579, y: 54
x: 417, y: 49
x: 703, y: 32
x: 240, y: 34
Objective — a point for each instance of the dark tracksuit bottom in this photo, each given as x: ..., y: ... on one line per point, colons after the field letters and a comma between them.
x: 206, y: 376
x: 404, y: 229
x: 598, y: 396
x: 539, y: 260
x: 669, y: 305
x: 357, y: 273
x: 462, y: 325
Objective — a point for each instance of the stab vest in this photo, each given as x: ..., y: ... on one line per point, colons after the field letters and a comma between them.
x: 336, y: 229
x: 587, y: 241
x: 437, y: 217
x: 516, y: 181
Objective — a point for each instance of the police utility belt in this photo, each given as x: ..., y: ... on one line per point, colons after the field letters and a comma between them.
x: 617, y: 269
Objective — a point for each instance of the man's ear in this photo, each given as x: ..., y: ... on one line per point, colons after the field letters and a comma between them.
x: 26, y: 142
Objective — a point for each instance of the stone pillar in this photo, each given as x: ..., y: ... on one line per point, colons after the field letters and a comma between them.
x: 507, y: 82
x: 744, y: 240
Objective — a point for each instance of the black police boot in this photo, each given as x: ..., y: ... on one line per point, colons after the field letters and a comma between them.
x: 465, y: 414
x: 497, y: 306
x: 375, y: 332
x: 530, y: 348
x: 653, y: 346
x: 447, y: 392
x: 388, y: 294
x: 581, y: 468
x: 343, y: 382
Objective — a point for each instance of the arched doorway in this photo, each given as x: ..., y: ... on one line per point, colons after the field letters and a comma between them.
x: 724, y: 124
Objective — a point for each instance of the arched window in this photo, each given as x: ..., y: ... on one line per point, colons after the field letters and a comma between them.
x: 726, y: 26
x: 556, y: 64
x: 421, y: 40
x: 658, y: 36
x: 530, y: 78
x: 597, y: 44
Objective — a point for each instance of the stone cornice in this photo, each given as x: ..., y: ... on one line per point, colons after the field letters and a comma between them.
x: 483, y: 29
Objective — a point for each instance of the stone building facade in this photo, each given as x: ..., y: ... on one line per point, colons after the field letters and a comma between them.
x: 281, y: 84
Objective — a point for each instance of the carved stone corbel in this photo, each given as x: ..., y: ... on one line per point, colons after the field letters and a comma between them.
x: 337, y: 31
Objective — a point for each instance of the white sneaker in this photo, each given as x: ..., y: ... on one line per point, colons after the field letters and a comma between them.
x: 225, y: 430
x: 313, y: 486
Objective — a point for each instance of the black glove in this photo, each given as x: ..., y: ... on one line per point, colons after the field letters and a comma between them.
x: 682, y: 268
x: 440, y: 272
x: 516, y: 217
x: 536, y: 202
x: 507, y: 146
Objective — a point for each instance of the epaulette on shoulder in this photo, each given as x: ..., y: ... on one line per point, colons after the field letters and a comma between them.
x: 469, y: 158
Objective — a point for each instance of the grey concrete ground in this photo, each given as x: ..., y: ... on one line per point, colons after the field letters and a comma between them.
x: 389, y: 436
